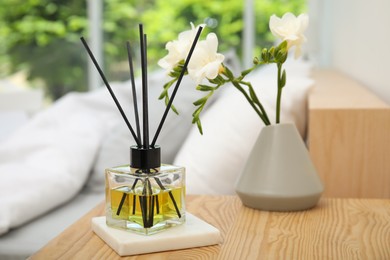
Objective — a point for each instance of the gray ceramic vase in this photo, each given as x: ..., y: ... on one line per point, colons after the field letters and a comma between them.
x: 279, y: 174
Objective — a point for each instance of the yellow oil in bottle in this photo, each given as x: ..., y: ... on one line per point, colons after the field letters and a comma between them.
x: 146, y: 209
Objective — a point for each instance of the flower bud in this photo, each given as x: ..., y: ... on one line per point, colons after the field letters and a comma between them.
x: 283, y: 45
x: 264, y: 55
x: 272, y: 50
x: 281, y: 56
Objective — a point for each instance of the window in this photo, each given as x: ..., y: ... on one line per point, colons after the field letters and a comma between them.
x: 42, y: 36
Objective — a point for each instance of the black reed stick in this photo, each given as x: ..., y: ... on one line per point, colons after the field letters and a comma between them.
x: 110, y: 90
x: 170, y: 195
x: 151, y: 211
x: 134, y: 196
x: 150, y: 204
x: 134, y: 203
x: 177, y: 85
x: 136, y: 114
x: 145, y: 109
x: 121, y: 204
x: 142, y: 203
x: 124, y: 198
x: 147, y: 201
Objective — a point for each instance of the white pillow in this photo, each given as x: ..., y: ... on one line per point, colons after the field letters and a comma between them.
x: 46, y: 162
x: 214, y: 161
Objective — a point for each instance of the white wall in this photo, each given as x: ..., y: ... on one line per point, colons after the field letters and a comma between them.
x: 354, y: 37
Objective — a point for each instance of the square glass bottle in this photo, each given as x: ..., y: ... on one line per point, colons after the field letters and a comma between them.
x: 143, y: 198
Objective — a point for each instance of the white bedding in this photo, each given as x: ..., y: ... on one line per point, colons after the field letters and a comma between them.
x: 48, y: 161
x: 66, y: 147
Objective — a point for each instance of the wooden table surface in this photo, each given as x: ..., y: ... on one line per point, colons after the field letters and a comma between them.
x: 334, y: 229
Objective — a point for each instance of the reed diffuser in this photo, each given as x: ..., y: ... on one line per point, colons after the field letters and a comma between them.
x: 144, y: 196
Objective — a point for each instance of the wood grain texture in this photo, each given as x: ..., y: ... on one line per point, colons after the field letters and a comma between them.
x: 335, y: 229
x: 349, y: 138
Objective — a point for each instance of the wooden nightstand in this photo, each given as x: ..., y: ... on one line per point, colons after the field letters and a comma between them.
x: 334, y: 229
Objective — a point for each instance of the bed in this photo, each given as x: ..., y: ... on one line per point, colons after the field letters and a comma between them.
x: 347, y: 129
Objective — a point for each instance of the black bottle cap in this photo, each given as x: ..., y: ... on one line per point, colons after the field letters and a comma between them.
x: 142, y: 158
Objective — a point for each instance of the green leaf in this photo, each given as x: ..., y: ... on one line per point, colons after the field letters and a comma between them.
x: 283, y: 79
x: 178, y: 69
x: 174, y: 74
x: 205, y: 88
x: 174, y: 109
x: 166, y: 88
x: 196, y: 114
x: 246, y: 72
x: 200, y: 101
x: 196, y: 120
x: 163, y: 94
x: 172, y: 106
x: 199, y: 124
x: 216, y: 81
x: 229, y: 73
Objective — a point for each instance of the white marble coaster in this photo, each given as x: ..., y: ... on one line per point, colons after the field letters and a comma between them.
x: 193, y: 233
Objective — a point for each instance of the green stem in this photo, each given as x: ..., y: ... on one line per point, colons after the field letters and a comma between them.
x: 237, y: 85
x: 258, y: 103
x: 279, y: 95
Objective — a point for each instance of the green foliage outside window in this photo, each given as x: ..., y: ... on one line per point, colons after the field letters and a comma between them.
x: 41, y: 37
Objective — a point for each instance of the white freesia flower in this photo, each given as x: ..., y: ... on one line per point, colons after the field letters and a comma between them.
x: 290, y: 28
x: 205, y: 61
x: 178, y: 49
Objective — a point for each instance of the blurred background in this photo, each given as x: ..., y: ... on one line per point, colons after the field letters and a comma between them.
x: 41, y: 49
x: 42, y: 58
